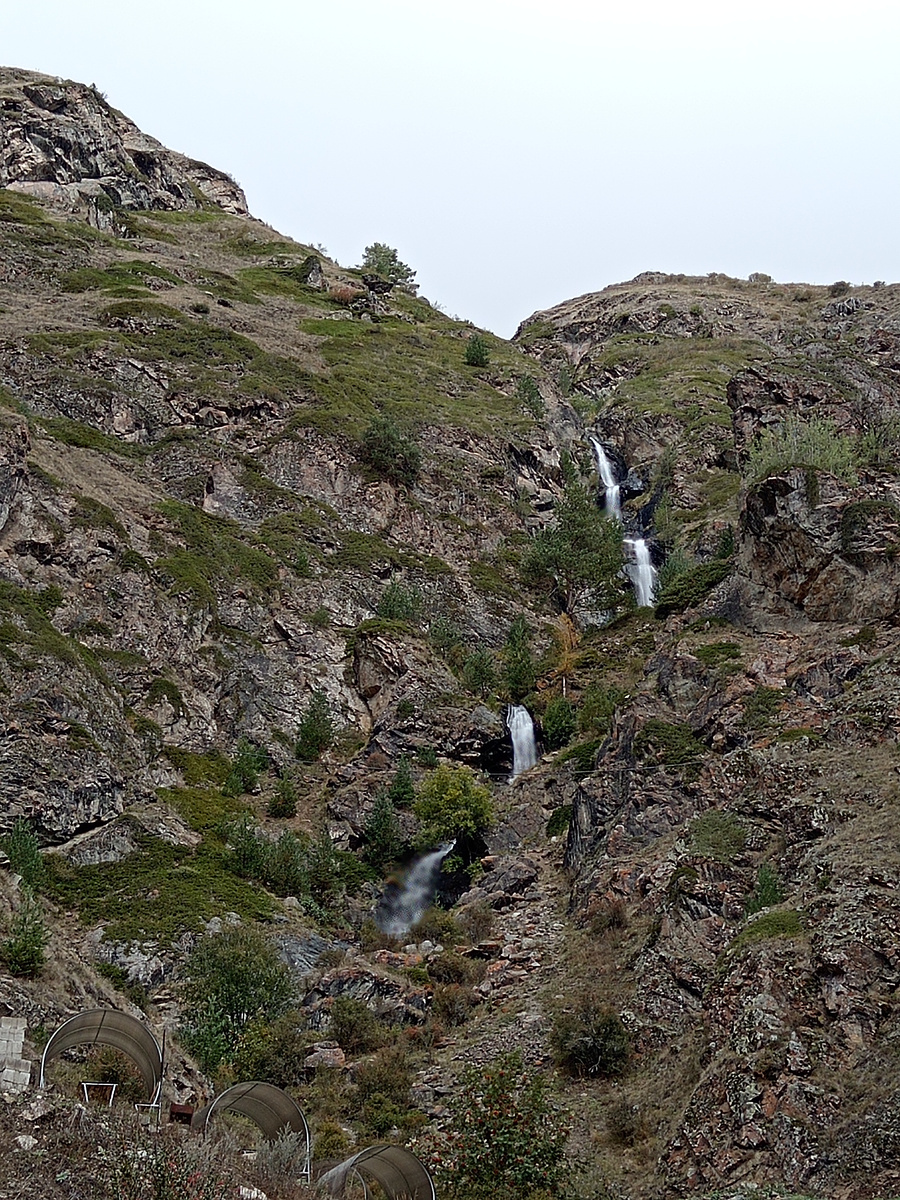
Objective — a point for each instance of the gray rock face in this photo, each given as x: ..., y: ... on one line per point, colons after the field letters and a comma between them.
x: 63, y: 142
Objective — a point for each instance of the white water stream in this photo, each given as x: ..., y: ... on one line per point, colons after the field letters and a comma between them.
x: 612, y: 502
x: 521, y: 730
x: 400, y: 911
x: 641, y: 572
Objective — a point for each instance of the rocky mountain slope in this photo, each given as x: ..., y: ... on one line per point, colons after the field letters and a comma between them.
x: 198, y: 546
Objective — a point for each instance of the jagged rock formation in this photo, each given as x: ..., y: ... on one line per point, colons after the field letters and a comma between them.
x: 193, y: 544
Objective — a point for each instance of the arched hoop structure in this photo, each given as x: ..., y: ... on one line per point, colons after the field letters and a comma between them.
x: 267, y: 1106
x: 110, y: 1027
x: 398, y: 1171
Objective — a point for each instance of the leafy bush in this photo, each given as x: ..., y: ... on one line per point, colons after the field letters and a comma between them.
x: 590, y: 1040
x: 718, y: 835
x: 452, y: 804
x: 505, y: 1141
x: 355, y: 1027
x: 559, y: 723
x: 598, y: 707
x: 23, y: 851
x: 230, y: 979
x: 478, y: 351
x: 814, y: 443
x: 315, y: 733
x: 452, y: 1003
x: 389, y: 452
x: 23, y: 951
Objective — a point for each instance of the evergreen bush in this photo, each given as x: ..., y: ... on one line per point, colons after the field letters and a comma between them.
x: 23, y: 951
x: 478, y: 351
x: 23, y: 851
x: 315, y: 733
x: 559, y: 723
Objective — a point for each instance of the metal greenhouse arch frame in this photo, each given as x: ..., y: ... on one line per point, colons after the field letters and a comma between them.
x: 110, y: 1027
x: 398, y: 1171
x: 270, y: 1108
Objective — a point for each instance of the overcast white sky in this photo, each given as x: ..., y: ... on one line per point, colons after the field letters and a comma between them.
x: 515, y: 152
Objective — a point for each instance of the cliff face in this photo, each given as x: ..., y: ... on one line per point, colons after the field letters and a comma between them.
x: 194, y: 543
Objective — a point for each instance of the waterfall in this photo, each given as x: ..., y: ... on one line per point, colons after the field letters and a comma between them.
x: 612, y: 502
x: 521, y: 730
x: 641, y: 572
x: 401, y: 906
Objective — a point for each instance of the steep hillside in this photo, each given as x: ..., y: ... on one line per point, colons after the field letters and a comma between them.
x: 270, y: 573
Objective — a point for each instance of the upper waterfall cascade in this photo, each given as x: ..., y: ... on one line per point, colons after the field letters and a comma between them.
x: 613, y: 498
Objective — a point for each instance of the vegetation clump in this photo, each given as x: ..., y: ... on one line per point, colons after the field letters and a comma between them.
x: 389, y: 452
x: 315, y: 733
x: 452, y: 805
x: 505, y: 1140
x: 381, y: 259
x: 718, y: 835
x: 590, y: 1039
x: 813, y: 443
x: 478, y: 351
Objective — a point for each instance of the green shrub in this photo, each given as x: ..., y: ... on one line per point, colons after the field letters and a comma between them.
x: 717, y: 835
x: 478, y: 351
x: 243, y: 775
x: 23, y: 951
x: 452, y: 1003
x: 384, y: 842
x: 559, y: 723
x: 283, y: 803
x: 530, y: 395
x: 690, y: 585
x: 713, y: 654
x: 24, y: 853
x: 505, y: 1140
x: 452, y: 804
x: 478, y: 674
x: 776, y: 923
x: 315, y: 733
x: 598, y: 707
x: 381, y: 259
x: 767, y: 891
x: 813, y: 443
x: 590, y: 1040
x: 389, y: 452
x: 519, y: 668
x: 436, y: 925
x: 760, y: 706
x: 670, y: 744
x: 230, y: 979
x: 355, y: 1027
x: 402, y: 790
x: 400, y: 603
x: 559, y: 821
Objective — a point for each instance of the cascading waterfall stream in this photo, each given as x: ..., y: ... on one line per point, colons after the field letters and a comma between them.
x: 641, y: 572
x: 521, y: 730
x: 401, y: 907
x: 612, y: 500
